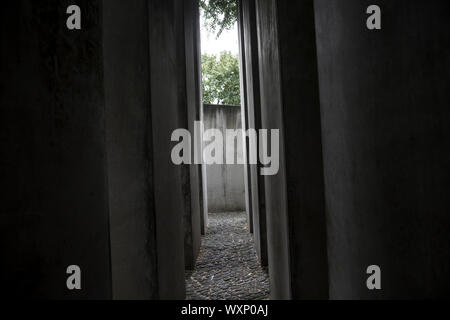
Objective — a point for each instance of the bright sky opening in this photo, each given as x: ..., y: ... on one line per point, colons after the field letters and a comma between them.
x: 228, y: 41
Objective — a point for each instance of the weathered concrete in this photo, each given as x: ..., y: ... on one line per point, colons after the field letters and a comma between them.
x: 54, y: 195
x: 244, y: 118
x: 147, y: 206
x: 205, y: 205
x: 204, y: 183
x: 193, y: 183
x: 55, y: 171
x: 386, y: 120
x: 295, y: 205
x: 253, y: 115
x: 130, y: 165
x: 226, y: 191
x: 168, y: 103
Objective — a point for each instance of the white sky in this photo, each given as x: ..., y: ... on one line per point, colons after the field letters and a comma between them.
x: 228, y: 41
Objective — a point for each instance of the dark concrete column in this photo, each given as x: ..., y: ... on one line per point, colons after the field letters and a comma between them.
x: 192, y: 77
x: 204, y: 169
x: 386, y: 120
x: 130, y: 152
x: 244, y: 118
x: 295, y: 206
x: 197, y: 60
x: 146, y: 99
x: 204, y: 179
x: 253, y: 117
x: 168, y: 104
x: 54, y: 195
x: 59, y: 155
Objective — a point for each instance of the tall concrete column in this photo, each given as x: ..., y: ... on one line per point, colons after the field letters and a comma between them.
x: 168, y: 105
x: 204, y: 177
x: 87, y: 177
x: 295, y: 205
x: 53, y: 176
x: 249, y: 37
x: 386, y: 119
x: 192, y: 78
x: 244, y: 118
x: 145, y: 94
x: 130, y: 153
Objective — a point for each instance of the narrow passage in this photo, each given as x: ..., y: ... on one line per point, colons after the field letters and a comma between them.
x: 227, y: 267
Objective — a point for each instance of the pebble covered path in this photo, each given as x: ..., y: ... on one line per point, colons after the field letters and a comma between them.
x: 227, y: 267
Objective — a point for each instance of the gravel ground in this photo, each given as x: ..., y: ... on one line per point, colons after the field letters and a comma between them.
x: 227, y: 267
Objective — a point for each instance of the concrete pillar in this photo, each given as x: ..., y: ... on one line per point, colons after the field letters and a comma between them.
x: 245, y: 118
x: 295, y: 206
x: 204, y: 195
x: 192, y: 78
x: 54, y: 195
x: 249, y: 36
x: 168, y: 105
x: 150, y: 197
x: 204, y: 179
x: 129, y: 134
x: 68, y: 178
x: 385, y: 96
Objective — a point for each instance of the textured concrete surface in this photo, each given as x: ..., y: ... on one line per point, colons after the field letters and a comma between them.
x: 193, y: 182
x: 272, y: 118
x: 148, y: 236
x: 227, y: 267
x: 54, y: 198
x: 168, y: 106
x: 386, y: 129
x: 226, y: 190
x: 63, y: 171
x: 244, y: 118
x: 385, y: 99
x: 128, y: 123
x: 295, y: 204
x: 249, y: 36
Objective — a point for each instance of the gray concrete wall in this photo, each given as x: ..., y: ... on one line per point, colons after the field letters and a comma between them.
x: 295, y: 205
x: 385, y: 112
x: 54, y: 195
x: 226, y: 190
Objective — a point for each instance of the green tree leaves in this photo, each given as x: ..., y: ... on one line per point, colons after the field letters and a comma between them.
x: 221, y: 79
x: 219, y: 15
